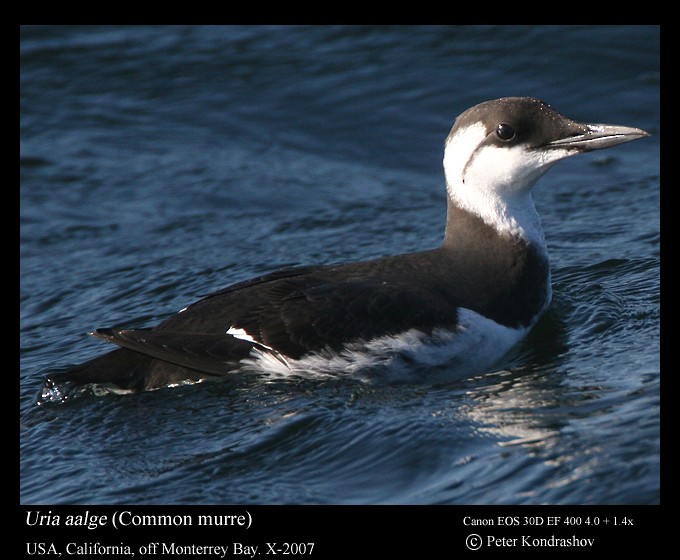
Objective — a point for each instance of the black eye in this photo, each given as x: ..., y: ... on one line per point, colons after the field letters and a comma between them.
x: 505, y: 132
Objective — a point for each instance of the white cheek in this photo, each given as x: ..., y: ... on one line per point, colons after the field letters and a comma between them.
x: 494, y: 182
x: 459, y: 150
x: 506, y: 170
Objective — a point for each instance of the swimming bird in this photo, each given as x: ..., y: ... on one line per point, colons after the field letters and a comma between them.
x: 466, y: 302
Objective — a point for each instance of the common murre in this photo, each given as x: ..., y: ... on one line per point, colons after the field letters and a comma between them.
x: 469, y: 300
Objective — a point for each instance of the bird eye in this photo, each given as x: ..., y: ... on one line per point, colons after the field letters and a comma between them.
x: 505, y: 132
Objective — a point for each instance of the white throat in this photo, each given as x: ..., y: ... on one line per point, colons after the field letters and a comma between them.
x: 494, y: 182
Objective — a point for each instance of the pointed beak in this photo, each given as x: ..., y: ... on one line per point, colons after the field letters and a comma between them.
x: 597, y: 136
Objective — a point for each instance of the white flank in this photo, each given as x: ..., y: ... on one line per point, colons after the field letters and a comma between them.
x: 472, y: 348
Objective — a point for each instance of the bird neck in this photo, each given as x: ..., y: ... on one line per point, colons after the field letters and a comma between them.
x: 513, y: 218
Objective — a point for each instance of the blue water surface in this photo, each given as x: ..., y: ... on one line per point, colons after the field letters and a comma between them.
x: 160, y: 163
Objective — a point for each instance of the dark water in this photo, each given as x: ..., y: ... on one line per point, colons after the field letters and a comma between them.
x: 159, y: 164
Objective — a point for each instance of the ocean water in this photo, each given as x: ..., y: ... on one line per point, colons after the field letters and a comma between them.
x: 161, y: 163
